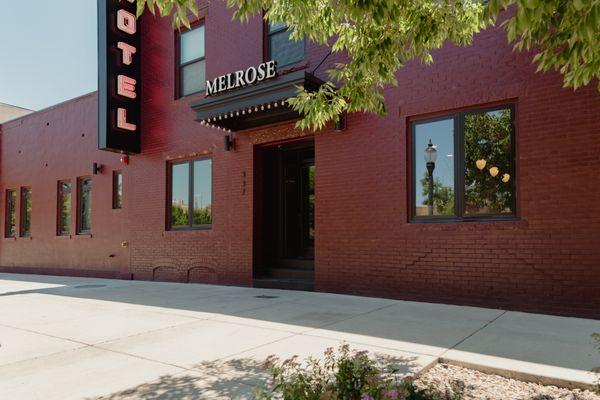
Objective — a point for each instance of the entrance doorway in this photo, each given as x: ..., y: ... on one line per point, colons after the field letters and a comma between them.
x: 285, y: 221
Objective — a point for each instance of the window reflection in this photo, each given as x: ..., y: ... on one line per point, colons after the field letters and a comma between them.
x: 85, y: 205
x: 478, y: 179
x: 202, y: 192
x: 191, y: 194
x: 283, y: 49
x: 441, y: 134
x: 64, y: 208
x: 488, y: 162
x: 180, y: 195
x: 192, y: 62
x: 25, y: 212
x: 117, y: 189
x: 11, y: 214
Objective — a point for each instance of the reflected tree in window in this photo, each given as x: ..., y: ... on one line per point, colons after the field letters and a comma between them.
x: 25, y: 212
x: 85, y: 205
x: 488, y: 162
x: 11, y: 214
x: 476, y: 180
x: 443, y: 196
x: 202, y: 192
x: 64, y: 209
x: 191, y: 194
x: 180, y: 193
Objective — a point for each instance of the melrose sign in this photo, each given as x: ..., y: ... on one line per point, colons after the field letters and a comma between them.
x: 241, y: 78
x: 118, y: 76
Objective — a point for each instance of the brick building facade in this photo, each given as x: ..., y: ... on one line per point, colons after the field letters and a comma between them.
x: 544, y: 258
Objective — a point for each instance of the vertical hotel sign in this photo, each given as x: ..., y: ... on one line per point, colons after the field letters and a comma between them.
x: 118, y: 76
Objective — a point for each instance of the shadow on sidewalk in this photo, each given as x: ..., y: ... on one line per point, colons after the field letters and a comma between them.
x: 230, y: 379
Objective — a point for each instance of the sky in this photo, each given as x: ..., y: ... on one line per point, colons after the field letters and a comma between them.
x: 48, y: 51
x: 441, y: 134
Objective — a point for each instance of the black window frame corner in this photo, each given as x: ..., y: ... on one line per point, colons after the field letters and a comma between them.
x: 169, y: 220
x: 178, y: 66
x: 116, y: 205
x: 79, y: 230
x: 459, y: 167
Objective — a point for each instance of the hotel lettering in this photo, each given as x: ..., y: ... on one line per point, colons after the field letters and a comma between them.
x: 119, y: 76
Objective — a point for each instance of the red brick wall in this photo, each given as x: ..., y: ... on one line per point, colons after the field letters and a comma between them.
x: 60, y: 143
x: 546, y: 261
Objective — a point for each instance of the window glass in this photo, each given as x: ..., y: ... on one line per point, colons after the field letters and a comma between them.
x: 284, y: 50
x: 180, y: 193
x: 483, y: 169
x: 441, y: 200
x: 85, y: 205
x: 488, y: 162
x: 276, y: 27
x: 117, y: 189
x: 191, y: 194
x: 11, y: 214
x: 193, y: 78
x: 192, y: 68
x: 202, y: 192
x: 25, y: 212
x: 64, y: 208
x: 192, y: 45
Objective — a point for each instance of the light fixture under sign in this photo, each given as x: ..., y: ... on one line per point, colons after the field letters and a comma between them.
x: 97, y: 169
x: 229, y: 143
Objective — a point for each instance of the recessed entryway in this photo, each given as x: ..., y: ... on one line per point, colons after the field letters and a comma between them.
x: 285, y: 216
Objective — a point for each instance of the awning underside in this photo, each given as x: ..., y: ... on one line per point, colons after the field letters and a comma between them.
x: 254, y: 106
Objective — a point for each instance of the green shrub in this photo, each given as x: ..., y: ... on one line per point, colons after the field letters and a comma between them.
x: 341, y: 375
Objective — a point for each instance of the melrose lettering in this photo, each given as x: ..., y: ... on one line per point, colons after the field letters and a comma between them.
x: 234, y: 80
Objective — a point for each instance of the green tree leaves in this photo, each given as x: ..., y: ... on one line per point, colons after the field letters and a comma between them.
x: 564, y: 33
x: 379, y: 36
x: 179, y: 9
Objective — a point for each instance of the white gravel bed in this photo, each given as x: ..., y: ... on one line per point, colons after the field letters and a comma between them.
x: 475, y: 385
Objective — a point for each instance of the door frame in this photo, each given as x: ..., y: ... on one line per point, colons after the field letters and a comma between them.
x: 259, y: 261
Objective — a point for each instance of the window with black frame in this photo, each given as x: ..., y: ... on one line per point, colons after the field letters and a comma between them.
x: 192, y: 62
x: 84, y: 197
x: 10, y: 214
x: 25, y: 223
x: 463, y: 165
x: 281, y: 48
x: 64, y: 208
x: 190, y: 194
x: 117, y: 201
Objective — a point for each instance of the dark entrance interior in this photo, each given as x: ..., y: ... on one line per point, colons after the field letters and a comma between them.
x: 285, y: 222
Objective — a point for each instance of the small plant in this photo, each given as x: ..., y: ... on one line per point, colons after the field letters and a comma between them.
x: 341, y: 375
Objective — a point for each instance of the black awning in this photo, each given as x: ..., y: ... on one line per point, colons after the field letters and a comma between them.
x: 249, y: 107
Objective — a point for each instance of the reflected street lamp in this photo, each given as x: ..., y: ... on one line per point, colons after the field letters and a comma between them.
x: 430, y: 158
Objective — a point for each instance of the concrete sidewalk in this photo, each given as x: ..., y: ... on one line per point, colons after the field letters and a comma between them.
x: 79, y: 338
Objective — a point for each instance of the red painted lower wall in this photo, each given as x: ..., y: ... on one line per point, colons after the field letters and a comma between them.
x: 546, y: 261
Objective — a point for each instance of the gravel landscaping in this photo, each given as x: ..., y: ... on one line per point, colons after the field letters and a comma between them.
x: 475, y: 385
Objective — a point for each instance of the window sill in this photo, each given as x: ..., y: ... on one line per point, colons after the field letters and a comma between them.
x: 11, y: 238
x: 82, y: 236
x: 433, y: 220
x: 188, y: 230
x: 63, y: 236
